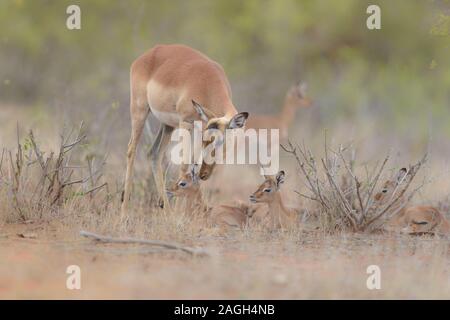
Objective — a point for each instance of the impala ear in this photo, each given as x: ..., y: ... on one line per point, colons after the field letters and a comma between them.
x: 194, y: 170
x: 200, y: 111
x: 280, y: 178
x: 302, y: 87
x: 238, y: 121
x: 401, y: 175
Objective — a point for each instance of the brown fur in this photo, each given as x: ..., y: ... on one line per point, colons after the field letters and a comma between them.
x: 187, y: 187
x: 295, y: 98
x: 410, y: 219
x: 166, y: 80
x: 269, y: 192
x: 224, y: 216
x: 419, y: 220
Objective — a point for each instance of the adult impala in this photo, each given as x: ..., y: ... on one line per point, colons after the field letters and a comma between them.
x: 178, y: 85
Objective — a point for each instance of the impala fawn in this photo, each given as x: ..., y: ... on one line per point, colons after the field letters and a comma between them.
x: 410, y: 219
x: 223, y: 216
x: 178, y: 85
x: 295, y: 98
x: 188, y: 187
x: 238, y: 216
x: 269, y: 192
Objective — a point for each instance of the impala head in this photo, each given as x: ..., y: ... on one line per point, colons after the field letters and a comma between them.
x: 391, y: 185
x: 187, y: 184
x: 267, y: 190
x: 217, y: 123
x: 421, y: 221
x: 298, y: 97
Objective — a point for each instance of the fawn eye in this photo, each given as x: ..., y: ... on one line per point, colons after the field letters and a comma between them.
x: 182, y: 184
x: 420, y: 222
x: 384, y: 190
x: 267, y: 190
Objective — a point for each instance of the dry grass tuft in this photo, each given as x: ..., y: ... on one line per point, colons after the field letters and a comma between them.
x: 345, y: 200
x: 36, y: 183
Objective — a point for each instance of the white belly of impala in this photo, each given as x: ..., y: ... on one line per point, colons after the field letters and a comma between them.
x: 170, y: 118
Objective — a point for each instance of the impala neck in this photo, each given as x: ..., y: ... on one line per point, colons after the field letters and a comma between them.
x: 221, y: 104
x: 288, y: 111
x: 195, y: 201
x: 278, y: 211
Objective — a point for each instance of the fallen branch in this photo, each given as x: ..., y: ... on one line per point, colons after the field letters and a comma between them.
x: 163, y: 244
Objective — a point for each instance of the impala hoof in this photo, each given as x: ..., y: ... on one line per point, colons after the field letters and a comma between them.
x: 161, y: 203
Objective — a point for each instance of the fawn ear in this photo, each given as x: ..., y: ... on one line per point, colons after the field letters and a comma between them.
x: 238, y: 121
x: 401, y: 175
x: 200, y: 111
x: 280, y: 178
x: 194, y: 170
x: 301, y: 88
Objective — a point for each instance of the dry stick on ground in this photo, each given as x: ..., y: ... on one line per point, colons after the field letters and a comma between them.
x: 158, y: 243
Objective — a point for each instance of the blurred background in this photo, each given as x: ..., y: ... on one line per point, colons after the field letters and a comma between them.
x: 381, y: 89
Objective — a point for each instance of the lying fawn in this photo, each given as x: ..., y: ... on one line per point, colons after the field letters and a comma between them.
x: 410, y: 219
x: 177, y: 84
x: 295, y: 98
x: 224, y: 216
x: 269, y: 192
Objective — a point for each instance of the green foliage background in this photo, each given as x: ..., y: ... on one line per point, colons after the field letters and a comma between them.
x: 398, y: 75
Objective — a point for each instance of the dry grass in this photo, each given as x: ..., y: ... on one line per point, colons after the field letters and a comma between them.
x: 345, y: 200
x: 39, y: 241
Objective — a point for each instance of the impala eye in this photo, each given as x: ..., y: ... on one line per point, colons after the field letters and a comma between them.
x: 182, y: 184
x: 420, y: 222
x: 268, y: 190
x: 213, y: 125
x: 384, y: 190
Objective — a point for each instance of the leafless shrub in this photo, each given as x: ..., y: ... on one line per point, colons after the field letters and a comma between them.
x: 38, y: 182
x: 345, y: 200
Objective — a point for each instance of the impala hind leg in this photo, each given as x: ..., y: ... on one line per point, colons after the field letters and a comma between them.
x: 157, y: 153
x: 138, y: 116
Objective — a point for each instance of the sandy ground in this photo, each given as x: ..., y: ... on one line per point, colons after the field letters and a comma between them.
x: 34, y: 256
x: 241, y: 266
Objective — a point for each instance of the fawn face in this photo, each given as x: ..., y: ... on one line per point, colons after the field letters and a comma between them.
x: 187, y: 184
x: 267, y: 190
x: 391, y: 185
x: 221, y: 124
x: 297, y: 96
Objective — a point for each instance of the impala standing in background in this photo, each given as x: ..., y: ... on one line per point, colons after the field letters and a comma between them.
x: 178, y: 85
x: 295, y: 98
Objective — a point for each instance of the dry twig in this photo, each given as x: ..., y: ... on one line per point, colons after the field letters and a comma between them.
x: 158, y: 243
